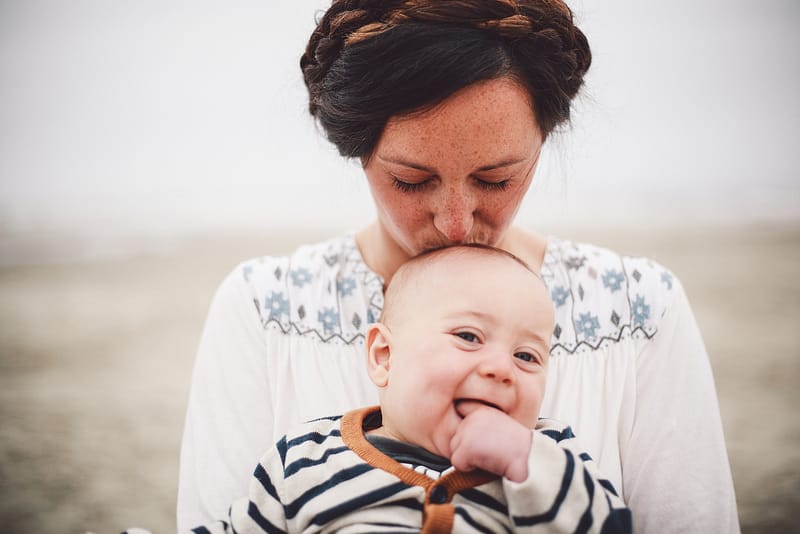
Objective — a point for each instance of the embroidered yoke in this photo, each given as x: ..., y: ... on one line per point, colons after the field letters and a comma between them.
x: 284, y: 343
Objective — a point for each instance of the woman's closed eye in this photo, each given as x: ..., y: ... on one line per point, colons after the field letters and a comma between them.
x: 409, y: 187
x: 502, y: 185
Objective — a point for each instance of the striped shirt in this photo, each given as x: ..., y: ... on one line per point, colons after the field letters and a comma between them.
x: 325, y: 476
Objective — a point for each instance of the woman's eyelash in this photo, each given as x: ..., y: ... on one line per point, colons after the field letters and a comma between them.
x: 413, y: 187
x: 407, y: 187
x: 493, y: 186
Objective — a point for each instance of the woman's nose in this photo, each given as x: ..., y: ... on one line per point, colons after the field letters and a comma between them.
x: 454, y: 216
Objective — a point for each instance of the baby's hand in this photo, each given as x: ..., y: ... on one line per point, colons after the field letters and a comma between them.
x: 491, y: 440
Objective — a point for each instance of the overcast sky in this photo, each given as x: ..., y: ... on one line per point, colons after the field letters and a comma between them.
x: 152, y: 115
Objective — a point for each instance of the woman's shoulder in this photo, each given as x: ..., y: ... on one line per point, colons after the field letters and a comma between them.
x: 601, y: 296
x: 323, y: 289
x: 318, y: 258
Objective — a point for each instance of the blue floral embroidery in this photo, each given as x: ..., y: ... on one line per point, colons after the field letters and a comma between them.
x: 345, y: 286
x: 300, y: 277
x: 575, y: 262
x: 559, y: 296
x: 640, y: 311
x: 588, y: 325
x: 667, y: 279
x: 612, y: 280
x: 277, y: 305
x: 329, y: 319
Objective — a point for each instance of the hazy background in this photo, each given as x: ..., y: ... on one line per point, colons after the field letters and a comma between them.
x: 146, y: 147
x: 165, y: 118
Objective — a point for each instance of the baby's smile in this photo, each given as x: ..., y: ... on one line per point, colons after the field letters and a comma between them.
x: 466, y: 406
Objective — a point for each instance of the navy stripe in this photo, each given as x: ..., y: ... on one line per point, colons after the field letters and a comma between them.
x: 328, y: 418
x: 360, y: 502
x: 402, y: 529
x: 345, y: 474
x: 262, y: 476
x: 316, y: 437
x: 302, y: 463
x: 619, y: 521
x: 410, y: 503
x: 405, y: 528
x: 281, y: 446
x: 198, y: 530
x: 558, y: 435
x: 562, y: 493
x: 485, y: 499
x: 585, y: 457
x: 262, y: 521
x: 586, y: 519
x: 230, y: 515
x: 608, y: 486
x: 474, y: 524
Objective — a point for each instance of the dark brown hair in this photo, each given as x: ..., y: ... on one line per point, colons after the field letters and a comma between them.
x: 369, y: 60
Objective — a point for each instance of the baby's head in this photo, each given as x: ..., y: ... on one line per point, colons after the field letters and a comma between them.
x: 461, y: 325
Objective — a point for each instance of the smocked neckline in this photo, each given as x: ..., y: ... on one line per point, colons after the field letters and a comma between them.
x: 370, y: 277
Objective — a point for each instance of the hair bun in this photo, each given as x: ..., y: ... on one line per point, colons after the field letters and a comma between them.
x: 541, y: 45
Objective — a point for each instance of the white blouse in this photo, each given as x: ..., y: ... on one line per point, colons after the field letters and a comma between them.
x: 284, y: 343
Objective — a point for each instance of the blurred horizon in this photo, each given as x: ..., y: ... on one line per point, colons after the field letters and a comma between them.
x: 125, y: 124
x: 147, y: 147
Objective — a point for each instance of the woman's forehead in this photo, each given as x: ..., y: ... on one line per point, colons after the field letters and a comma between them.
x: 491, y: 116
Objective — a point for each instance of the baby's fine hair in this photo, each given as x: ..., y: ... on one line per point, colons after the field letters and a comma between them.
x: 370, y: 60
x: 416, y: 266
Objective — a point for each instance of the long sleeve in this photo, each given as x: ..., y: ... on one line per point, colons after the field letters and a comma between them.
x: 674, y: 462
x: 229, y: 417
x: 564, y: 491
x: 262, y: 510
x: 283, y: 344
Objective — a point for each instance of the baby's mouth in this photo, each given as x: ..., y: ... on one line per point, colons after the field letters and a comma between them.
x: 464, y: 407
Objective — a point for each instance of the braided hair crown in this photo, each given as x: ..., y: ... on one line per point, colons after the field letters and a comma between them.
x: 369, y: 60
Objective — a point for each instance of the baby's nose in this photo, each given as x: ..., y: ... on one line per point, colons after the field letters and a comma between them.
x: 499, y: 368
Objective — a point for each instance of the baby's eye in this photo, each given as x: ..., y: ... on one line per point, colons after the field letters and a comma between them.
x: 469, y: 337
x: 527, y: 357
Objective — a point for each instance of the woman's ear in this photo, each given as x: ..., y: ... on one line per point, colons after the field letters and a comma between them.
x: 378, y: 353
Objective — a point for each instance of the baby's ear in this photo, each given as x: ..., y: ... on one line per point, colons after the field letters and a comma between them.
x: 378, y: 353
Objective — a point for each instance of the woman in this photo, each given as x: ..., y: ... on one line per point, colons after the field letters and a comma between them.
x: 447, y: 105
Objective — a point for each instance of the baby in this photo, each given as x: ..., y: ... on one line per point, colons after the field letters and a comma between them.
x: 460, y: 359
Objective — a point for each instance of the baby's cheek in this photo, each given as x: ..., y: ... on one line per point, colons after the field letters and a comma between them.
x: 529, y: 415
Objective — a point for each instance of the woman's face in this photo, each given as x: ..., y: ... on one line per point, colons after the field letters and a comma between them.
x: 456, y: 173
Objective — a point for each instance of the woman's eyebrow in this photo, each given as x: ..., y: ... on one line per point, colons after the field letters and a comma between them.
x: 511, y: 161
x: 504, y: 163
x: 404, y: 163
x: 500, y: 164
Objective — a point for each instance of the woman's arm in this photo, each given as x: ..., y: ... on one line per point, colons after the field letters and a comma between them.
x: 229, y: 416
x: 262, y: 510
x: 675, y: 467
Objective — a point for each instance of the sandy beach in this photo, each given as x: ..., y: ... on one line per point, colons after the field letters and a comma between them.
x: 96, y: 359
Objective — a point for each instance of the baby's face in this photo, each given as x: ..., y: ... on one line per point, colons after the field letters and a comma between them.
x: 472, y: 329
